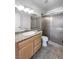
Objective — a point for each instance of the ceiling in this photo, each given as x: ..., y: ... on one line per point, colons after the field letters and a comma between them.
x: 41, y: 6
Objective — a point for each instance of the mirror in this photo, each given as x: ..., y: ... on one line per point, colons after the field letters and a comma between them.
x: 35, y: 22
x: 26, y: 22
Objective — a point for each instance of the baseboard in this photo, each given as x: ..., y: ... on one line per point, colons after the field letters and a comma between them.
x: 54, y: 44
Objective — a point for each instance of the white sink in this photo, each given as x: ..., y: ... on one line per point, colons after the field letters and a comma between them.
x: 29, y: 33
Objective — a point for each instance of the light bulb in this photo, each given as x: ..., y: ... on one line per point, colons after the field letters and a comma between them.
x: 26, y: 10
x: 20, y: 7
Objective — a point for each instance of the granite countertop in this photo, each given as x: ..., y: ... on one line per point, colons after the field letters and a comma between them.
x: 19, y: 37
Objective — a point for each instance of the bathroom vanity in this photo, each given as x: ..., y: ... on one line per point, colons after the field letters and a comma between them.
x: 27, y: 46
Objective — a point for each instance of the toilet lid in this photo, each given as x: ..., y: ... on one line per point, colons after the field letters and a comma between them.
x: 45, y: 38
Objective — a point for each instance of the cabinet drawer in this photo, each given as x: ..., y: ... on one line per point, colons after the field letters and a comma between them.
x: 37, y: 36
x: 25, y: 43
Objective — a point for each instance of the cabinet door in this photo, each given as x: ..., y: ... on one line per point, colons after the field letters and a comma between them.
x: 37, y: 43
x: 26, y: 52
x: 36, y: 48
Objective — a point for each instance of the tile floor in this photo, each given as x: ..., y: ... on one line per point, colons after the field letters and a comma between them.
x: 52, y: 51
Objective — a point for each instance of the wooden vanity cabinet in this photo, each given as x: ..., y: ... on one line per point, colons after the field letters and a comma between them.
x: 27, y: 48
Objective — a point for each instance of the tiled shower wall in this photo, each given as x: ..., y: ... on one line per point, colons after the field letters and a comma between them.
x: 53, y: 27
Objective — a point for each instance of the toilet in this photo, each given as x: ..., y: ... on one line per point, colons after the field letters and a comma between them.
x: 44, y: 41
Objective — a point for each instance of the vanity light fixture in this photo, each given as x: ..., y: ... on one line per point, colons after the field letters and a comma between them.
x: 26, y: 10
